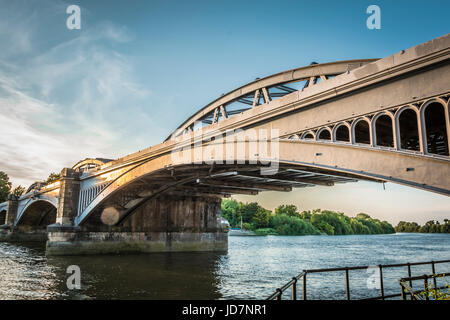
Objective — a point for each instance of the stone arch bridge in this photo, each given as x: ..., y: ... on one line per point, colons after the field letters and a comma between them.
x: 383, y: 120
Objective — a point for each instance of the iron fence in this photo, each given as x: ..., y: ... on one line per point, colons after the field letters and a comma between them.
x: 293, y: 283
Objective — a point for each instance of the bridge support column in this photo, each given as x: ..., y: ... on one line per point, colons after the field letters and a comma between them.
x: 11, y: 213
x: 164, y: 224
x: 6, y: 230
x: 68, y: 197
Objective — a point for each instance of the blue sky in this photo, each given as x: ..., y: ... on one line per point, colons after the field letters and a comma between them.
x: 137, y: 69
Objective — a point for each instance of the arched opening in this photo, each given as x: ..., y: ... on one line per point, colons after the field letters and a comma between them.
x: 383, y: 131
x: 308, y: 136
x: 362, y: 132
x: 342, y: 133
x: 409, y: 132
x: 324, y: 135
x: 435, y: 129
x: 39, y: 214
x: 2, y: 217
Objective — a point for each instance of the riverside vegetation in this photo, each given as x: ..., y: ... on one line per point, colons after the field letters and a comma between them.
x: 287, y: 220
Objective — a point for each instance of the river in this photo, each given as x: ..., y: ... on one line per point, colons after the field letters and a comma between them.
x: 251, y: 269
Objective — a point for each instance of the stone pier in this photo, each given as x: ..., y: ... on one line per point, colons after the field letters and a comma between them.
x: 169, y: 223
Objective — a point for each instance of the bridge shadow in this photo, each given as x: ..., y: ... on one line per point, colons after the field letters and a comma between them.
x: 142, y: 276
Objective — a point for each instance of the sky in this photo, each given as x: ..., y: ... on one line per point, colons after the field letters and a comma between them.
x: 137, y: 69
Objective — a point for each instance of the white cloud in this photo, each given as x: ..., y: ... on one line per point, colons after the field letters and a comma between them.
x: 66, y: 101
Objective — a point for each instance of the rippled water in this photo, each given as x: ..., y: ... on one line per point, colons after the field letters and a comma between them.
x: 252, y: 268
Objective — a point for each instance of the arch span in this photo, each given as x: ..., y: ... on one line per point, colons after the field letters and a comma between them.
x: 37, y: 213
x: 340, y: 161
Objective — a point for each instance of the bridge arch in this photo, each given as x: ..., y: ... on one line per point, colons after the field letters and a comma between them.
x: 361, y: 132
x: 324, y: 134
x: 2, y: 217
x: 341, y: 132
x: 434, y: 114
x: 383, y: 129
x: 37, y: 213
x: 89, y: 163
x: 408, y: 124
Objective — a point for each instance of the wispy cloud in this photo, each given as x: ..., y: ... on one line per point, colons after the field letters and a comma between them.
x: 66, y: 98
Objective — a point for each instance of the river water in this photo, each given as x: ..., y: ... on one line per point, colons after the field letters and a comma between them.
x: 251, y: 269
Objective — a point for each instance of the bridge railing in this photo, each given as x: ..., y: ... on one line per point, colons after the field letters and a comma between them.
x: 293, y: 283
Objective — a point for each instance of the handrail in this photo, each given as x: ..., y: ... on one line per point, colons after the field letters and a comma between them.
x: 408, y: 288
x: 278, y: 293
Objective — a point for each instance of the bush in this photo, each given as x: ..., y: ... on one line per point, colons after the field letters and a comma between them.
x: 266, y: 232
x: 292, y: 226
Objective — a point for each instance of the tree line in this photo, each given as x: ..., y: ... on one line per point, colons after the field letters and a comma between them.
x: 6, y: 186
x: 287, y: 220
x: 429, y: 227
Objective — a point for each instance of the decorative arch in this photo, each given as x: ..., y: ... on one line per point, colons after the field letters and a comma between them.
x: 294, y: 137
x: 361, y: 132
x: 308, y: 135
x: 37, y: 213
x: 434, y: 114
x: 383, y: 130
x: 341, y: 132
x: 324, y: 134
x: 407, y: 120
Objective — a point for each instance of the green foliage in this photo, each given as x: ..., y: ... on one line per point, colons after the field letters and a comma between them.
x: 292, y: 226
x: 247, y: 211
x: 266, y: 232
x: 53, y: 177
x: 18, y: 191
x: 288, y: 221
x: 429, y: 227
x: 261, y: 218
x: 442, y: 293
x: 248, y: 226
x: 5, y: 186
x: 229, y: 212
x: 289, y: 210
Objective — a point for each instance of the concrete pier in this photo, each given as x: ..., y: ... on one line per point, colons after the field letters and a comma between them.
x: 165, y: 224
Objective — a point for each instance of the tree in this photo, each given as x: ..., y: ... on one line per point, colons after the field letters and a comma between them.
x: 5, y: 186
x: 247, y: 211
x: 53, y: 177
x: 229, y: 211
x: 292, y: 226
x: 289, y: 210
x: 261, y: 218
x: 18, y: 191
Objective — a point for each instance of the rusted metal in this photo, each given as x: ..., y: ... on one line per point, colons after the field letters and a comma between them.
x: 433, y: 271
x: 347, y: 284
x: 403, y: 282
x: 425, y: 287
x: 381, y: 282
x: 294, y: 289
x: 304, y: 286
x: 409, y: 276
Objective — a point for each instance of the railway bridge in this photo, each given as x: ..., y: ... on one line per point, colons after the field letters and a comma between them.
x: 382, y: 120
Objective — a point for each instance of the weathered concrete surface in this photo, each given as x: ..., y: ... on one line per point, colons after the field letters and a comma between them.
x: 14, y: 234
x: 83, y: 243
x: 164, y: 224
